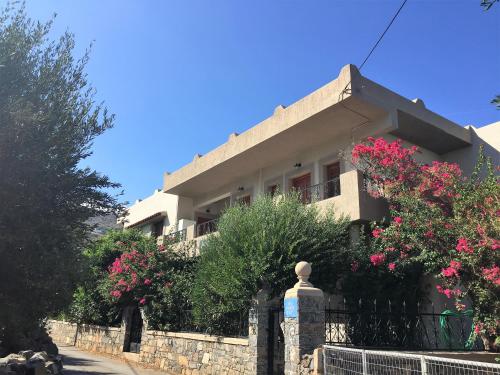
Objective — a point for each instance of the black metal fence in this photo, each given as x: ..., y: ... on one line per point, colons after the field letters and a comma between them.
x: 321, y: 191
x: 226, y: 325
x: 206, y: 227
x: 372, y: 324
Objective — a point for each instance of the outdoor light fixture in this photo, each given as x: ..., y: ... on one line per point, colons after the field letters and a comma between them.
x: 241, y: 188
x: 207, y: 210
x: 297, y: 165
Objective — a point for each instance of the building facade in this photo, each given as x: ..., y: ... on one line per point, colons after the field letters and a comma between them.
x: 306, y: 147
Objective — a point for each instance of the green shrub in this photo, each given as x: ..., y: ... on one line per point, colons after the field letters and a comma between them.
x: 258, y: 247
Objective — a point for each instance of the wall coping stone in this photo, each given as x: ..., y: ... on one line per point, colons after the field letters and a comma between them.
x: 201, y: 337
x: 104, y: 328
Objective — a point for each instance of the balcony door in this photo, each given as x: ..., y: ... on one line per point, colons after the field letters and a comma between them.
x: 332, y: 183
x: 302, y: 184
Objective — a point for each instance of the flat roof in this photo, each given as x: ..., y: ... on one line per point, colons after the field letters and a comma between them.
x: 333, y: 109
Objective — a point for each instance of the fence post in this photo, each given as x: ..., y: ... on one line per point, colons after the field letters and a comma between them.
x: 423, y: 365
x: 258, y: 318
x: 365, y: 362
x: 304, y: 326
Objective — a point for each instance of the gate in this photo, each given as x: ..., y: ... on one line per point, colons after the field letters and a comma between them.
x: 368, y: 324
x: 275, y: 343
x: 134, y: 342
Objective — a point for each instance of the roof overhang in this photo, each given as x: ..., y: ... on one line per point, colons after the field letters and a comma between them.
x: 151, y: 218
x: 320, y: 117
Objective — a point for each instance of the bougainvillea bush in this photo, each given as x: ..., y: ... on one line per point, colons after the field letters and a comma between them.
x: 127, y: 268
x: 447, y: 222
x: 156, y: 278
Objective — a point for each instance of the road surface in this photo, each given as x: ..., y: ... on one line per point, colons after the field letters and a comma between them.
x: 77, y: 362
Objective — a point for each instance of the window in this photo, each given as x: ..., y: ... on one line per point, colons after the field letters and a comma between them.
x: 245, y: 201
x: 273, y: 189
x: 332, y: 183
x: 158, y: 228
x: 302, y: 184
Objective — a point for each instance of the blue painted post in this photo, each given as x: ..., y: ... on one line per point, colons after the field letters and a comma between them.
x: 304, y: 327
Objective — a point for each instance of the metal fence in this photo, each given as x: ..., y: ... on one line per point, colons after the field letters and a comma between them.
x: 371, y: 324
x: 321, y: 191
x: 349, y: 361
x: 233, y: 324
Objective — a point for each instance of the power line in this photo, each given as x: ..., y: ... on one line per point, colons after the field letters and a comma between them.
x: 341, y: 95
x: 382, y: 35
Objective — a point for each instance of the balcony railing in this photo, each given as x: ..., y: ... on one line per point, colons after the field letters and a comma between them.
x: 177, y: 236
x: 206, y: 227
x: 321, y: 191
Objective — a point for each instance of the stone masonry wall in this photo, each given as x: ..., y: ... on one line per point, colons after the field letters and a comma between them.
x: 62, y: 333
x: 196, y: 354
x: 176, y: 353
x: 92, y: 338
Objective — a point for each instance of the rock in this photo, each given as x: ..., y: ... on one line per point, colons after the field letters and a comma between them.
x: 39, y: 356
x: 53, y: 368
x: 26, y: 353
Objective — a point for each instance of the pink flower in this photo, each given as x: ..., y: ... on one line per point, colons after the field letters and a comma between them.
x: 377, y: 259
x: 142, y: 301
x: 398, y: 220
x: 116, y: 293
x: 377, y: 232
x: 492, y: 274
x: 147, y: 281
x: 354, y: 266
x: 429, y: 234
x: 463, y: 246
x: 455, y: 264
x: 449, y: 272
x: 392, y: 266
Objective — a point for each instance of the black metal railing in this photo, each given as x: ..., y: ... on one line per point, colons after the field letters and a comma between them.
x: 321, y: 191
x: 371, y: 324
x: 177, y: 236
x: 206, y: 227
x: 227, y: 325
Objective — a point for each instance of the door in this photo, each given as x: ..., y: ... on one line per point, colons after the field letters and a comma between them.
x: 302, y: 184
x: 332, y: 183
x: 244, y: 201
x: 134, y: 344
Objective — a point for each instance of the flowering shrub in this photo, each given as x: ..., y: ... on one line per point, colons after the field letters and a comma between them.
x: 442, y: 220
x: 157, y: 278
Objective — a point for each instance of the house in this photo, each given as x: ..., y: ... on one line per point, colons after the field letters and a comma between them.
x: 306, y: 147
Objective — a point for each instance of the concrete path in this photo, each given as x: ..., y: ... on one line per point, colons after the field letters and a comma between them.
x: 77, y: 362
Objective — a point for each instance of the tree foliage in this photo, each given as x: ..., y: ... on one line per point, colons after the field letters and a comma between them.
x: 445, y: 222
x: 127, y: 268
x: 48, y: 120
x: 258, y: 247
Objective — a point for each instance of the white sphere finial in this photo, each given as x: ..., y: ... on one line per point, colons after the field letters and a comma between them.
x: 303, y: 271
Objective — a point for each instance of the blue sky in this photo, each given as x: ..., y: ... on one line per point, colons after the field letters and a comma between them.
x: 181, y: 75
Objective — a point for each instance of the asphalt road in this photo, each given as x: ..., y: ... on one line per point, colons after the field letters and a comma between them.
x: 77, y: 362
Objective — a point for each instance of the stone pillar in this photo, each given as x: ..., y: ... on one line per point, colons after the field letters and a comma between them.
x: 304, y: 327
x: 258, y: 320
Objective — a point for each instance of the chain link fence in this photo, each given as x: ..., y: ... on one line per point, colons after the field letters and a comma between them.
x: 349, y: 361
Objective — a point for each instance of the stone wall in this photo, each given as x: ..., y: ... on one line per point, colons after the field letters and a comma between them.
x: 190, y: 353
x: 62, y: 333
x: 88, y: 337
x: 176, y: 353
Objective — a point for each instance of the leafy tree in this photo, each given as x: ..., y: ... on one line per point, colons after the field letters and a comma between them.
x: 48, y: 120
x: 487, y: 4
x: 445, y: 222
x: 154, y: 277
x: 127, y: 268
x: 258, y: 247
x: 89, y: 305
